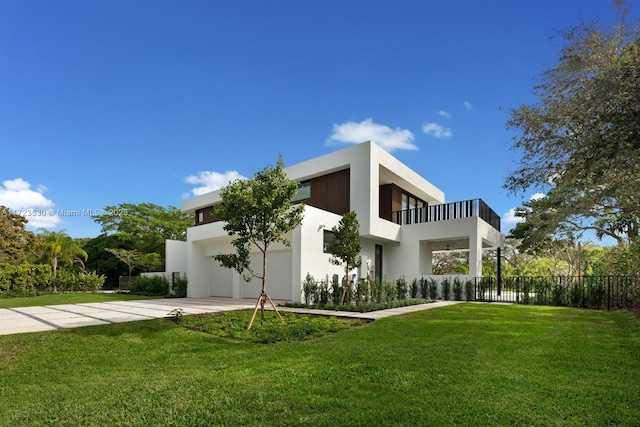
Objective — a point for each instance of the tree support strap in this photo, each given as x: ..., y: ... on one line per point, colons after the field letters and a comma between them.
x: 261, y: 300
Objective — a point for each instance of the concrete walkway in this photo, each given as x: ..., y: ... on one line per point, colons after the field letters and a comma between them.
x: 46, y: 318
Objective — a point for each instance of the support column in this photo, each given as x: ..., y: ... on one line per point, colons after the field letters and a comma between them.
x: 235, y: 285
x: 197, y: 271
x: 475, y: 254
x: 426, y: 258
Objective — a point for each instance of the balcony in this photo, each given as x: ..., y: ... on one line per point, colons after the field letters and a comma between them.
x: 448, y: 211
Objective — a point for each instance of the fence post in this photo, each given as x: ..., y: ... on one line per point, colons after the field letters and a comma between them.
x: 499, y: 268
x: 609, y: 293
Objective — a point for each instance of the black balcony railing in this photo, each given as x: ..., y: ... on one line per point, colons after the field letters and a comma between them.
x: 448, y: 211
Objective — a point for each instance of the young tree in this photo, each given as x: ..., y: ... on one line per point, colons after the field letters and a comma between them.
x: 345, y: 247
x: 580, y: 144
x: 258, y: 211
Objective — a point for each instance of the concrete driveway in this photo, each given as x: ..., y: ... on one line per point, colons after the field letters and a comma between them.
x: 50, y: 317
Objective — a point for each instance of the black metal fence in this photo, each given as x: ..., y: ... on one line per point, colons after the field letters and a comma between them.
x: 601, y: 292
x: 124, y: 281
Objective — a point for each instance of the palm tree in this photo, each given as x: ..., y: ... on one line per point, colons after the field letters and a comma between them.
x: 60, y: 248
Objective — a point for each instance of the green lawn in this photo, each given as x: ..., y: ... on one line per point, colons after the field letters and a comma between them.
x: 467, y: 364
x: 74, y: 298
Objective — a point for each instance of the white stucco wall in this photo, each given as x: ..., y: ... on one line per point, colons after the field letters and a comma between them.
x: 309, y: 257
x: 176, y: 256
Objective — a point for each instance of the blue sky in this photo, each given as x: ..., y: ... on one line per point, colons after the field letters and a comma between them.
x: 108, y: 102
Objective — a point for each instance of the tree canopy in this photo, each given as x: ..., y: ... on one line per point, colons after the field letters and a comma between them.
x: 104, y: 262
x: 57, y: 248
x: 15, y: 241
x: 580, y: 143
x: 146, y: 226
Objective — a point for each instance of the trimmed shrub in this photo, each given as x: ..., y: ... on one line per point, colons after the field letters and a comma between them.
x: 388, y: 290
x: 541, y: 289
x: 413, y: 290
x: 484, y: 284
x: 362, y: 292
x: 433, y: 289
x: 149, y: 286
x: 179, y: 287
x: 558, y: 295
x: 33, y: 279
x: 424, y: 288
x: 336, y: 290
x: 457, y: 289
x: 446, y: 289
x: 324, y: 290
x: 309, y: 289
x: 401, y: 288
x: 376, y: 286
x: 468, y: 290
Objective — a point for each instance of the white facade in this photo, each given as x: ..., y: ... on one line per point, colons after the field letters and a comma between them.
x: 400, y: 250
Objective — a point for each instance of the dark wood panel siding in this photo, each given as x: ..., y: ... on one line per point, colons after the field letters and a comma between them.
x: 328, y: 192
x: 396, y: 199
x: 384, y: 204
x: 331, y: 192
x: 207, y: 216
x: 390, y: 201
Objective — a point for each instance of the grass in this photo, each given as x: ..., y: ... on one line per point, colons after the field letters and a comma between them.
x: 70, y: 298
x: 467, y: 364
x: 296, y: 327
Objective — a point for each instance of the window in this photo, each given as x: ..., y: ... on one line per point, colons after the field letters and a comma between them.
x: 410, y: 209
x: 304, y: 192
x: 200, y: 217
x: 327, y: 238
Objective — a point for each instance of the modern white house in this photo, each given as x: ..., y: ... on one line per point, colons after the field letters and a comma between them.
x: 403, y: 220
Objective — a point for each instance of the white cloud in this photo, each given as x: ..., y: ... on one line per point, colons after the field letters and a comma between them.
x: 467, y: 105
x: 17, y: 195
x: 444, y: 114
x: 436, y: 130
x: 211, y: 181
x: 367, y: 130
x: 510, y: 217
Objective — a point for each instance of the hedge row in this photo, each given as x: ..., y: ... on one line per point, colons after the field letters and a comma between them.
x: 33, y: 279
x: 158, y: 286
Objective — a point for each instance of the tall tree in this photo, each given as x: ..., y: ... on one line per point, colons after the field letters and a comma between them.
x: 345, y: 247
x: 134, y: 258
x: 59, y: 248
x: 580, y: 143
x: 104, y: 262
x: 15, y: 241
x: 145, y: 226
x: 259, y: 212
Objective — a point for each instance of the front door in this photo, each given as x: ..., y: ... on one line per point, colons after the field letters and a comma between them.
x: 378, y: 262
